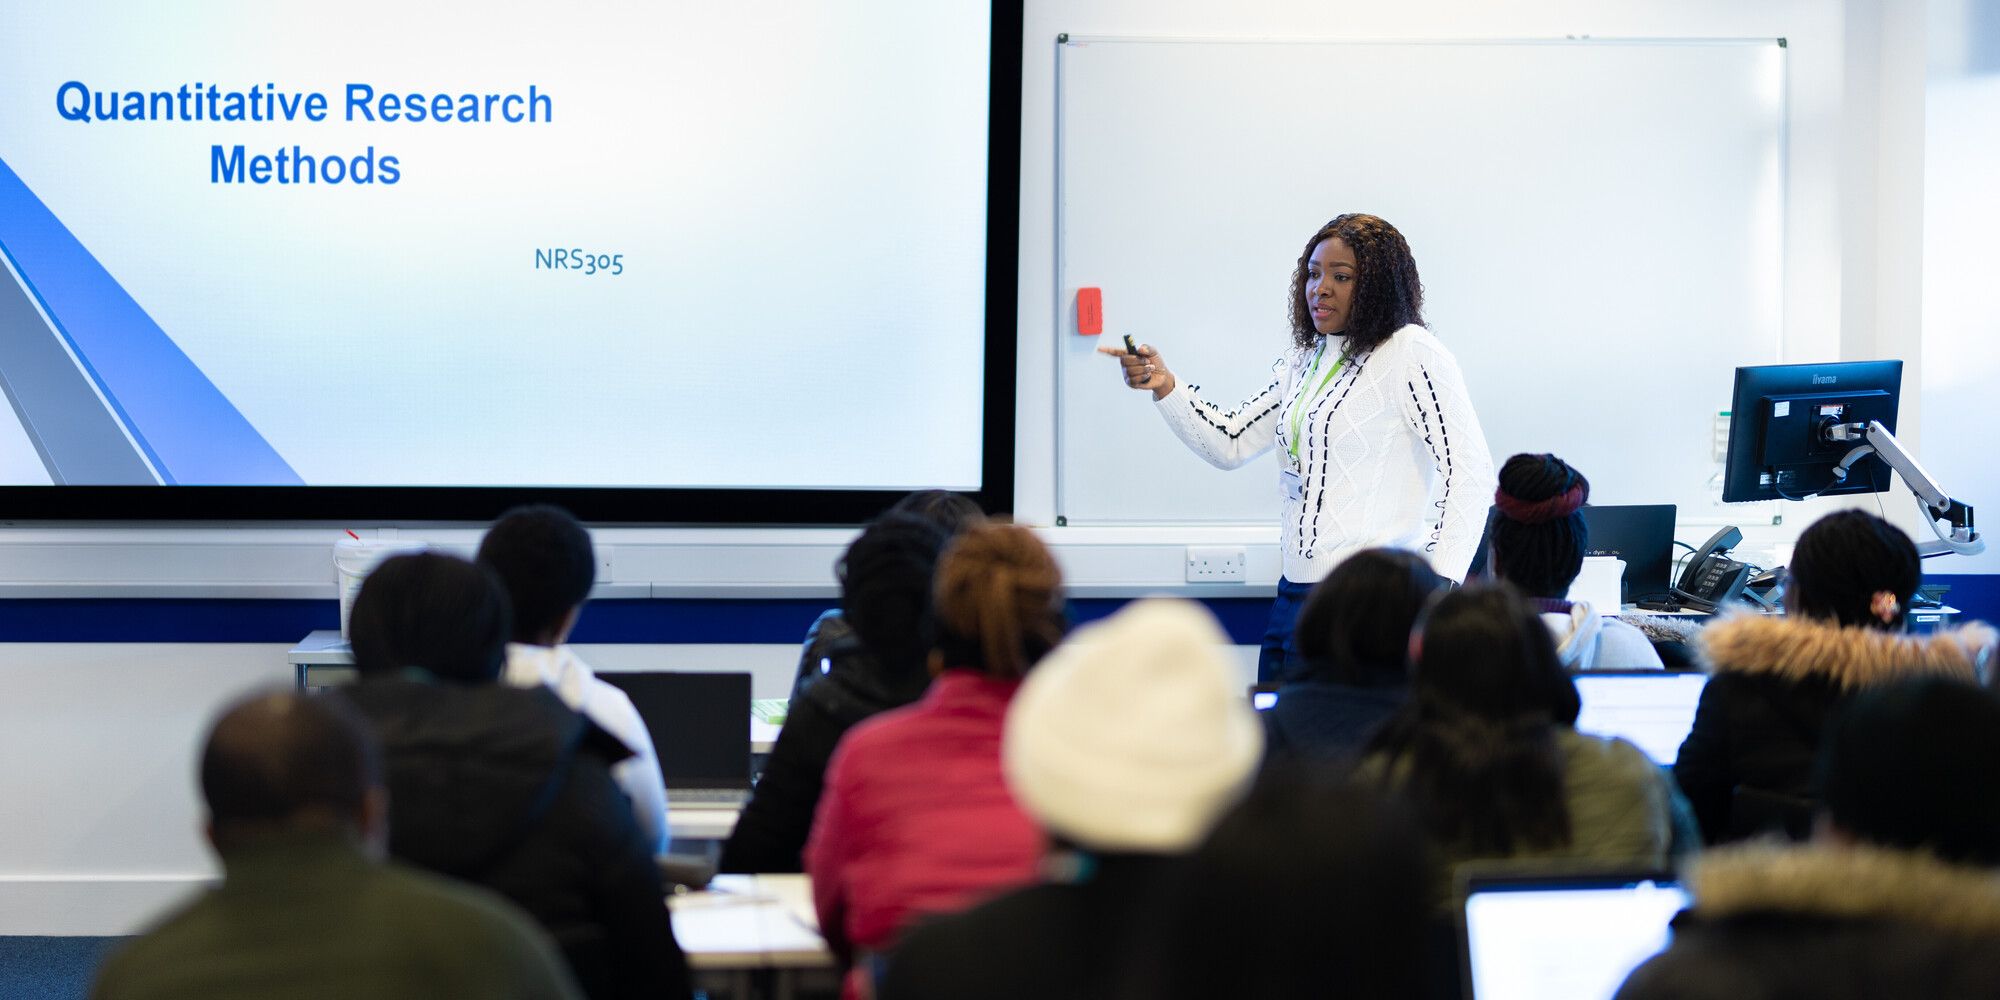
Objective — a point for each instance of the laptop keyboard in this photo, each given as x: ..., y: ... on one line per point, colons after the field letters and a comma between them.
x: 708, y: 797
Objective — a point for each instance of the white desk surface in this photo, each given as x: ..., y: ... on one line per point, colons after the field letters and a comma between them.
x: 750, y: 922
x: 325, y: 648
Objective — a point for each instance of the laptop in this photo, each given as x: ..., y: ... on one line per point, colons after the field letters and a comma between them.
x: 1640, y: 534
x: 1643, y: 536
x: 1562, y: 935
x: 1652, y: 708
x: 701, y: 731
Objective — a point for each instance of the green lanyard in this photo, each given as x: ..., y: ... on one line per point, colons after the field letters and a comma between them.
x: 1305, y: 401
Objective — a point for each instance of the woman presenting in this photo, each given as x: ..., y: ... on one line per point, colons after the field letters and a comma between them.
x: 1377, y: 441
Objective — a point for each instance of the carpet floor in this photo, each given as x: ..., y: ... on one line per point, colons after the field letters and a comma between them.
x: 50, y: 968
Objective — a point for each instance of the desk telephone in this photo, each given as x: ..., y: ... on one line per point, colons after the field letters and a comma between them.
x: 1712, y: 579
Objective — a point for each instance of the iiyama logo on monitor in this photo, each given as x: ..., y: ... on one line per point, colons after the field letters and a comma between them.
x: 1825, y: 379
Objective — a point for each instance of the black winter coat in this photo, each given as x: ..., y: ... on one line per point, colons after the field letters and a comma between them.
x: 1316, y: 720
x: 1862, y: 923
x: 1053, y: 941
x: 510, y: 789
x: 1746, y: 766
x: 770, y: 835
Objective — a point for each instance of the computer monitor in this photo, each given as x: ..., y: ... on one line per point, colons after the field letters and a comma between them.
x: 1779, y: 421
x: 1640, y: 534
x: 1562, y: 936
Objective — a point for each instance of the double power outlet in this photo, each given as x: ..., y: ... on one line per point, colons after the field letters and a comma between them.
x: 1215, y: 564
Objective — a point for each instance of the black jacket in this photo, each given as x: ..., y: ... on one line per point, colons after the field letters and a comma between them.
x: 770, y: 834
x: 1830, y: 924
x: 1050, y: 941
x: 1317, y: 720
x: 1746, y: 766
x: 510, y: 789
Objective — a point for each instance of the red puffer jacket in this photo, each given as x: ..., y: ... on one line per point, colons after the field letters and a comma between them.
x: 916, y: 818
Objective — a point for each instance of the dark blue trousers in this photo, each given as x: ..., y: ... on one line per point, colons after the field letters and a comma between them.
x: 1275, y: 660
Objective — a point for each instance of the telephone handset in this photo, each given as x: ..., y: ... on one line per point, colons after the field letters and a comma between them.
x: 1712, y: 579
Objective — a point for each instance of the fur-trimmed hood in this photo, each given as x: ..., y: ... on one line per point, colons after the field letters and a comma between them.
x: 1858, y: 882
x: 1851, y: 657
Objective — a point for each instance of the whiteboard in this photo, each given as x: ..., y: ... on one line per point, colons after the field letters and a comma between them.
x: 1599, y: 227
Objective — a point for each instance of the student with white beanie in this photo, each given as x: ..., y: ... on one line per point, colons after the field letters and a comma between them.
x: 1125, y: 744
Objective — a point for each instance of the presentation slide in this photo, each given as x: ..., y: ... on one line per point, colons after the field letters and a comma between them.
x: 454, y: 243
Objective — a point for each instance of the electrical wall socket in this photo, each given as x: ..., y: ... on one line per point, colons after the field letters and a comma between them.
x: 1215, y: 563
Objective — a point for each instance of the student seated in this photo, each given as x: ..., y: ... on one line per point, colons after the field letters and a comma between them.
x: 885, y: 594
x: 1487, y: 750
x: 1353, y: 639
x: 1313, y: 886
x: 1747, y: 763
x: 1125, y: 744
x: 916, y: 818
x: 1538, y: 538
x: 544, y: 560
x: 831, y: 638
x: 306, y: 908
x: 505, y: 786
x: 1898, y: 895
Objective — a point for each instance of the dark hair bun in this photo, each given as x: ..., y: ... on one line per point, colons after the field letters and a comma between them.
x: 1535, y: 489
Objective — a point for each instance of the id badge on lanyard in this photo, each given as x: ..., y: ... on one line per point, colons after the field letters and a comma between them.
x: 1290, y: 479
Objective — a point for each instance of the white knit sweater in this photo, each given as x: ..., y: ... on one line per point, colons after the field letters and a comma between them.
x: 1390, y: 451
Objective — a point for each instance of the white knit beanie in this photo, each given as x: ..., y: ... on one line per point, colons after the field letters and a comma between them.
x: 1134, y: 734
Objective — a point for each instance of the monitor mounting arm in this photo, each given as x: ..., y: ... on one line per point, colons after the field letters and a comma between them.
x: 1875, y: 439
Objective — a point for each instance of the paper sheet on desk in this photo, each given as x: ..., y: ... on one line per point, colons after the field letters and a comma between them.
x: 794, y: 892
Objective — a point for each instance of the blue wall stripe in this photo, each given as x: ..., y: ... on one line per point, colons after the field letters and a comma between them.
x: 622, y: 621
x: 1976, y: 594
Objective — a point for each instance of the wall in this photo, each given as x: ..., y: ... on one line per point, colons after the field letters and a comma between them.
x: 97, y: 738
x: 1961, y: 211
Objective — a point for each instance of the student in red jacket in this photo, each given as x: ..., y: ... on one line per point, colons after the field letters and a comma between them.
x: 916, y: 818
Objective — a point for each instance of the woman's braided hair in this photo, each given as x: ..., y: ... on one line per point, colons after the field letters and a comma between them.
x: 1388, y: 295
x: 1538, y: 534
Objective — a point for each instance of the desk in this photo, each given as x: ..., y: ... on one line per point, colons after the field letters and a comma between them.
x: 751, y: 931
x: 1922, y: 621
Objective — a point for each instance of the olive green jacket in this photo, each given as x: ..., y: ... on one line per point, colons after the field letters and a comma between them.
x: 309, y: 916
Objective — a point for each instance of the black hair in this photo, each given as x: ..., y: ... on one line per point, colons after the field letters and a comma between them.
x: 1355, y: 626
x: 1843, y: 560
x: 544, y: 559
x: 431, y: 612
x: 885, y: 595
x: 1388, y: 294
x: 950, y: 512
x: 1475, y: 746
x: 1311, y: 881
x: 275, y: 758
x: 1538, y: 537
x: 1916, y: 765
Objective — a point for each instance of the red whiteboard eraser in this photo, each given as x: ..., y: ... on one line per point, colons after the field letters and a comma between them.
x: 1089, y: 311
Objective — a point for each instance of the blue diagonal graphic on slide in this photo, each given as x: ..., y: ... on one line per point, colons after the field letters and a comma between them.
x: 188, y: 430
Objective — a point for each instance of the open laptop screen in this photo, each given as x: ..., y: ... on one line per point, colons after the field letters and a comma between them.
x: 1640, y: 534
x: 1654, y: 709
x: 1572, y: 937
x: 700, y: 725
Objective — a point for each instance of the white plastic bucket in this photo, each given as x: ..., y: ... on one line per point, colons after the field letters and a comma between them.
x: 354, y: 559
